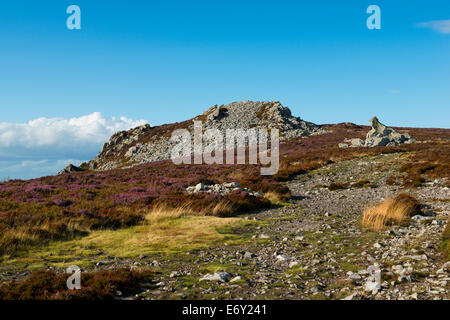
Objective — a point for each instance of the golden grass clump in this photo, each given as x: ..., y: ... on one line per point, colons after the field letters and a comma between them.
x: 224, y: 208
x: 162, y: 213
x: 274, y: 197
x: 396, y: 210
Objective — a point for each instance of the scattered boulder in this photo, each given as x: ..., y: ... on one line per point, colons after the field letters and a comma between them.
x: 218, y: 276
x: 199, y: 187
x: 222, y: 189
x: 372, y: 286
x: 379, y: 135
x: 282, y: 257
x: 353, y: 276
x: 249, y: 255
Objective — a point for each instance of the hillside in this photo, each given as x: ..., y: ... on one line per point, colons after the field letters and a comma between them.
x: 225, y: 231
x: 148, y: 144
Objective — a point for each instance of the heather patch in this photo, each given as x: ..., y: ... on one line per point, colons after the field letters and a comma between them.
x: 101, y: 285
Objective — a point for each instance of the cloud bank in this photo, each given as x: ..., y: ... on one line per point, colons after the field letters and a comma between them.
x: 45, y: 145
x: 440, y: 26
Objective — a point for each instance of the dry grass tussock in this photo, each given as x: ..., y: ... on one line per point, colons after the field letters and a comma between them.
x: 163, y: 212
x: 99, y: 285
x: 396, y: 210
x: 274, y: 198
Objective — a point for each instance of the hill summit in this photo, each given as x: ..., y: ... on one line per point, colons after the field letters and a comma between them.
x: 148, y: 144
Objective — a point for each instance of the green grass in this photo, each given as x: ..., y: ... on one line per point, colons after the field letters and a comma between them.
x: 168, y: 236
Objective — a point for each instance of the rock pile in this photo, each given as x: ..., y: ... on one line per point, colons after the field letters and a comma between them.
x: 222, y: 189
x: 379, y: 135
x: 249, y: 114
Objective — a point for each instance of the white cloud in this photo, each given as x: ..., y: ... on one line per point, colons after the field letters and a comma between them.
x: 48, y: 144
x: 57, y: 132
x: 441, y: 26
x: 394, y: 91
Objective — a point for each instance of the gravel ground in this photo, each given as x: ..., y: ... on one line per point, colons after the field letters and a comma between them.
x: 316, y: 249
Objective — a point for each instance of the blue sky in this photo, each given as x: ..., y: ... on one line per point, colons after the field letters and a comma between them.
x: 166, y: 61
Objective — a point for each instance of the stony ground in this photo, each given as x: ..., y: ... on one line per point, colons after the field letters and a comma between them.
x: 314, y: 246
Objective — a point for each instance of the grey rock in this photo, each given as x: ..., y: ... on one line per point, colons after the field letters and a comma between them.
x: 377, y: 142
x: 378, y: 136
x: 357, y: 142
x: 69, y: 169
x: 231, y: 185
x: 446, y: 266
x: 351, y: 297
x: 282, y: 257
x: 421, y: 218
x: 249, y: 255
x: 372, y: 286
x: 355, y: 277
x: 199, y: 187
x: 218, y: 276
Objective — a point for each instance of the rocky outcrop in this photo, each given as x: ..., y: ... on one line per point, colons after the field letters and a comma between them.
x: 379, y: 135
x: 107, y: 158
x: 146, y: 144
x: 70, y: 168
x: 249, y: 114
